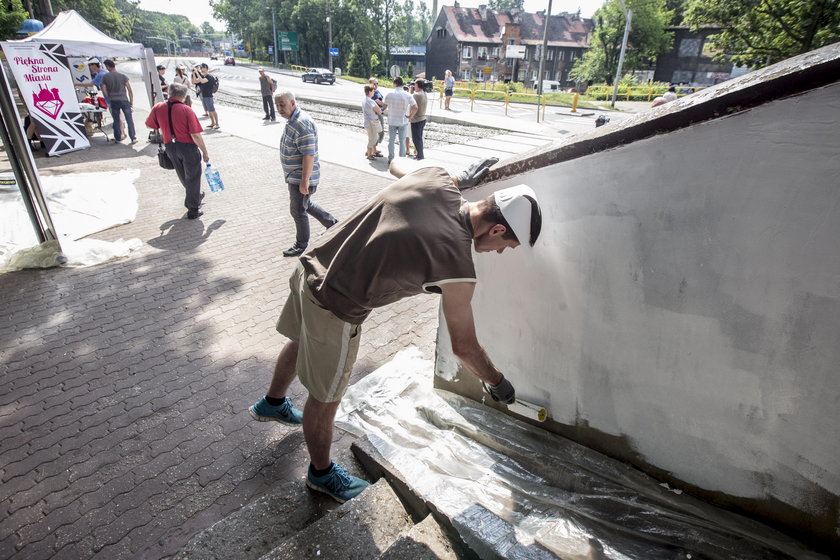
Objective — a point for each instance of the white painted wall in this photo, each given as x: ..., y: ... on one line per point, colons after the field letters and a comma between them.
x: 685, y: 294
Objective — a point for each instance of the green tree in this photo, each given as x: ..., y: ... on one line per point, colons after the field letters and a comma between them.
x: 646, y: 41
x: 102, y: 14
x: 506, y: 4
x: 207, y: 29
x: 760, y: 32
x: 411, y: 24
x: 359, y: 62
x: 11, y: 16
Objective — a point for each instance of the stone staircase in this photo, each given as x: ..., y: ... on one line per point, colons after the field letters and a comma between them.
x: 292, y: 523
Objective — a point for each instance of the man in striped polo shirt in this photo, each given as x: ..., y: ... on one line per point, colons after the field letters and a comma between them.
x: 301, y: 169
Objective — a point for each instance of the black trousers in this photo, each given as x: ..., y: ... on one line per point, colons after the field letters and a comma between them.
x: 417, y: 137
x: 268, y: 106
x: 187, y: 160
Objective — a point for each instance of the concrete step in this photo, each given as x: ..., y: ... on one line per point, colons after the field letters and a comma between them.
x: 258, y: 527
x: 360, y: 529
x: 424, y: 541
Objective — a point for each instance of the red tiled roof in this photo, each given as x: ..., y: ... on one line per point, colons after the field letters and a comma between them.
x: 564, y: 30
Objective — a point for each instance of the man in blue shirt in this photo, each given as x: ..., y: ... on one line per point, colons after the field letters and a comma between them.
x: 301, y: 169
x: 96, y: 73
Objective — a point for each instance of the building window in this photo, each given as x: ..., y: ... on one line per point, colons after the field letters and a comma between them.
x: 547, y: 75
x: 571, y: 55
x: 492, y: 77
x: 510, y: 42
x: 534, y: 77
x: 561, y: 55
x: 495, y: 51
x: 441, y: 33
x: 690, y: 47
x: 467, y: 52
x: 527, y: 53
x: 482, y: 53
x: 465, y: 74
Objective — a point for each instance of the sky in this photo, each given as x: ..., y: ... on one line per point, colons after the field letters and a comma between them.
x: 199, y: 11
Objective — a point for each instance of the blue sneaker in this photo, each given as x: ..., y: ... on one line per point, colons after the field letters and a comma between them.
x: 338, y: 483
x: 284, y: 413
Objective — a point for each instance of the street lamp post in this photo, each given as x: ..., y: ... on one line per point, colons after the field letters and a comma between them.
x: 274, y: 32
x: 329, y: 37
x: 628, y: 16
x: 542, y: 59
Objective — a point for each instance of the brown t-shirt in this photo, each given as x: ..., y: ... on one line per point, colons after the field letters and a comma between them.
x: 412, y: 237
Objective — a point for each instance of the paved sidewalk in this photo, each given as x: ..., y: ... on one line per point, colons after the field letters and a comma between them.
x: 125, y: 386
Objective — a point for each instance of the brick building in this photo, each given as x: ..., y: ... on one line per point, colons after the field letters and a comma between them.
x: 473, y: 42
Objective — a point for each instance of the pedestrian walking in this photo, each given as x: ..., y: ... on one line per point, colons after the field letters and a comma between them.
x: 415, y: 236
x: 302, y: 170
x: 400, y: 106
x: 117, y: 90
x: 267, y: 87
x: 182, y: 143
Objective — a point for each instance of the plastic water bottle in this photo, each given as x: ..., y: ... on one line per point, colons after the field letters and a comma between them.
x: 213, y: 178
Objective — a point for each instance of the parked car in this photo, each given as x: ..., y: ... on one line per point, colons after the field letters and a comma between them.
x: 318, y: 75
x: 214, y: 56
x: 230, y: 61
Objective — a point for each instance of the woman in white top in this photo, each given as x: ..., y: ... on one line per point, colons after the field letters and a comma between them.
x: 371, y: 112
x: 182, y: 78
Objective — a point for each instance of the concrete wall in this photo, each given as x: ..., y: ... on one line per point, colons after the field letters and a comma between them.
x: 682, y: 308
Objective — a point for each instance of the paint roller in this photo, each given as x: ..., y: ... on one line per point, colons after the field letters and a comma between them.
x: 523, y: 408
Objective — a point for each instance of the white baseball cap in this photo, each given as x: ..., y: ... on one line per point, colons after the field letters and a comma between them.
x: 260, y: 69
x: 517, y: 209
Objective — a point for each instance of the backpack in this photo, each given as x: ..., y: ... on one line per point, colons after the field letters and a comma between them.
x: 215, y: 83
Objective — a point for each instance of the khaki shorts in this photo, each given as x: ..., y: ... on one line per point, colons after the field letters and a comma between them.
x: 373, y: 131
x: 327, y: 345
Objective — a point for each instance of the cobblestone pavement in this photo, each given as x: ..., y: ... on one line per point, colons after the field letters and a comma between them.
x: 123, y: 421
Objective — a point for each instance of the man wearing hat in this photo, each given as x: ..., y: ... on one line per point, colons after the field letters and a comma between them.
x: 267, y: 87
x: 96, y: 73
x: 417, y: 235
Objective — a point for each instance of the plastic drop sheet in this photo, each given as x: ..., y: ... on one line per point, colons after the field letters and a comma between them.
x: 80, y: 204
x: 515, y: 491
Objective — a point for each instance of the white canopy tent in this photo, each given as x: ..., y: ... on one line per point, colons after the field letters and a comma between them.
x: 80, y: 38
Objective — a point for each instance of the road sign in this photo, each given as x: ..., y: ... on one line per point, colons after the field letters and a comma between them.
x: 270, y: 49
x: 395, y: 71
x: 288, y: 41
x: 333, y: 52
x: 515, y: 51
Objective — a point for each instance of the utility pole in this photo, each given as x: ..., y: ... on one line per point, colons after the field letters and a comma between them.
x: 329, y: 38
x: 629, y: 16
x: 544, y: 52
x: 274, y: 34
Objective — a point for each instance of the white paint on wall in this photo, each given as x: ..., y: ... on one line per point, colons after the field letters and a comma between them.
x: 685, y: 294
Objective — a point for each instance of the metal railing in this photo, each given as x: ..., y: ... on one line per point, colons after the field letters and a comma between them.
x: 634, y: 93
x: 475, y: 97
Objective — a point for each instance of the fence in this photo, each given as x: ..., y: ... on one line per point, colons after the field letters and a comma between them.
x: 633, y: 93
x: 533, y: 101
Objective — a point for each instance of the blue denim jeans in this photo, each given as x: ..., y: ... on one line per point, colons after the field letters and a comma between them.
x: 301, y: 207
x: 125, y: 107
x: 402, y: 131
